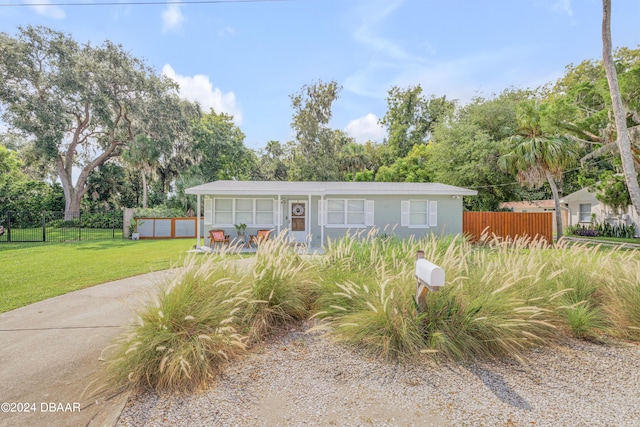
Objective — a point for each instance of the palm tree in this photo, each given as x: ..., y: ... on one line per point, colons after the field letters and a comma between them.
x: 536, y: 156
x: 353, y: 158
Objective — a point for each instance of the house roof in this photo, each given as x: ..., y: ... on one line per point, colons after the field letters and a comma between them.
x: 540, y: 204
x: 582, y: 195
x: 315, y: 188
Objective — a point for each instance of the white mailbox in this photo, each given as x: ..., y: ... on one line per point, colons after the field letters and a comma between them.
x: 428, y: 276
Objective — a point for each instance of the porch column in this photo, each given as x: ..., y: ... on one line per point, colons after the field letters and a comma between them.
x: 279, y: 214
x: 198, y: 222
x: 309, y: 221
x: 321, y: 221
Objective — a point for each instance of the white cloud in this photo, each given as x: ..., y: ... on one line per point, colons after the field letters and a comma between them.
x: 199, y: 89
x: 172, y: 18
x: 366, y: 129
x: 46, y: 10
x: 562, y: 6
x: 366, y: 34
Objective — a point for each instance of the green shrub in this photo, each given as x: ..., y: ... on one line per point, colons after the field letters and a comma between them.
x: 160, y: 212
x: 603, y: 229
x: 184, y: 338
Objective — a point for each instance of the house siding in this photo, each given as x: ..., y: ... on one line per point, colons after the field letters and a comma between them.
x: 387, y: 216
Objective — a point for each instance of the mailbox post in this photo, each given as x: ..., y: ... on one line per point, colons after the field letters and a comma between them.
x: 429, y: 277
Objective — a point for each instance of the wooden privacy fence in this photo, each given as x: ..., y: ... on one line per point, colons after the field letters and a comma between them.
x: 508, y: 224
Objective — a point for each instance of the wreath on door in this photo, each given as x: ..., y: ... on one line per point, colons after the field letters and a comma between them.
x: 298, y: 210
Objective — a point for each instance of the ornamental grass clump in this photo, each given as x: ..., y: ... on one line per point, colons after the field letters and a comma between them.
x: 485, y: 310
x: 580, y: 303
x: 378, y: 318
x: 279, y: 289
x: 620, y: 272
x: 184, y: 337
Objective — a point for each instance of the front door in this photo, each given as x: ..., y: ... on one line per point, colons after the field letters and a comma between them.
x: 298, y: 220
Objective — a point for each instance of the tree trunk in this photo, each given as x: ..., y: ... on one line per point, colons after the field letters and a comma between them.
x: 556, y: 202
x: 623, y: 141
x: 72, y: 204
x: 144, y: 189
x: 72, y: 194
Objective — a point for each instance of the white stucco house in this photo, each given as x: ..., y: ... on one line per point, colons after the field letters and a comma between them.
x: 314, y: 211
x: 583, y: 205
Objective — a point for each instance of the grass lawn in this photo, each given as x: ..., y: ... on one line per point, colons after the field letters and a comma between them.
x: 33, y: 272
x: 619, y: 240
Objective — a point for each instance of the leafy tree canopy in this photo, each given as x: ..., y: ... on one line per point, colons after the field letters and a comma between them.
x: 81, y: 104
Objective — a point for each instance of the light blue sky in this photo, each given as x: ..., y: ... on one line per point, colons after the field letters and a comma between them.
x: 247, y: 58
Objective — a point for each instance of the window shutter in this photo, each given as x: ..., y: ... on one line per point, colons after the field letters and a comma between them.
x: 321, y: 220
x: 405, y: 208
x: 433, y: 213
x: 369, y: 220
x: 275, y: 213
x: 208, y: 211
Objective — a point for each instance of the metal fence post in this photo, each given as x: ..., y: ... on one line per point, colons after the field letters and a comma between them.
x: 44, y: 226
x: 8, y: 226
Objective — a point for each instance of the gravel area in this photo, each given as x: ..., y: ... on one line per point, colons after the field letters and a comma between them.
x: 303, y: 379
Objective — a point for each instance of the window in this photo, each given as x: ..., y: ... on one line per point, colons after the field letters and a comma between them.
x: 585, y: 212
x: 264, y: 211
x: 419, y: 213
x: 223, y: 211
x: 346, y: 213
x: 253, y: 212
x: 244, y: 211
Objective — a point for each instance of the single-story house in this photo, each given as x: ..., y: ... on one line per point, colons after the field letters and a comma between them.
x: 537, y: 206
x: 315, y: 211
x: 583, y: 206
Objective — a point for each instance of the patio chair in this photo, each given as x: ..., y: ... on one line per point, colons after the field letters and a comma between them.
x: 260, y: 236
x: 218, y: 236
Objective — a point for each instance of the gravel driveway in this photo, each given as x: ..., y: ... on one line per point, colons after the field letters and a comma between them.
x: 303, y: 379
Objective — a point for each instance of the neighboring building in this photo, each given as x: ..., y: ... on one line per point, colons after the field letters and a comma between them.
x: 583, y: 206
x: 536, y: 206
x: 315, y: 211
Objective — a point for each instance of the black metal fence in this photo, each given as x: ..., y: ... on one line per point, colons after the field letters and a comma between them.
x: 60, y: 226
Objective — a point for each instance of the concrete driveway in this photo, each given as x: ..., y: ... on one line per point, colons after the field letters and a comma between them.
x: 50, y: 354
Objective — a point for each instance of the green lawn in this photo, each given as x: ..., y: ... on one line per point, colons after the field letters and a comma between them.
x: 32, y: 272
x: 619, y: 240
